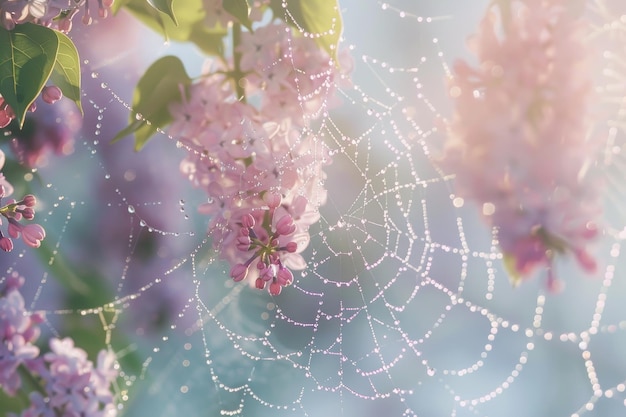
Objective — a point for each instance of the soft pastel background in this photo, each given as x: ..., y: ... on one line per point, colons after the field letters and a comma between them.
x: 375, y: 325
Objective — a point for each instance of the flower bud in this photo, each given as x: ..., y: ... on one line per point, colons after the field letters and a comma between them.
x: 51, y: 94
x: 6, y: 244
x: 239, y: 272
x: 285, y: 225
x: 275, y: 288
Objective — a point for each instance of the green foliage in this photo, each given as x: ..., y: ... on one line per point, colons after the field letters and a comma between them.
x: 240, y: 10
x: 165, y: 6
x: 510, y: 265
x: 187, y: 23
x: 158, y: 87
x: 66, y: 72
x: 319, y: 17
x: 29, y: 55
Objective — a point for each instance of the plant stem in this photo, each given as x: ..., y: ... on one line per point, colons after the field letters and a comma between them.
x: 31, y: 381
x: 237, y: 74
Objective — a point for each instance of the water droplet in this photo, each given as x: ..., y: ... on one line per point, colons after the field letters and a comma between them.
x: 139, y: 116
x: 94, y: 75
x: 131, y: 209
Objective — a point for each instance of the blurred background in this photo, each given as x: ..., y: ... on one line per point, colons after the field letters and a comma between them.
x: 405, y: 308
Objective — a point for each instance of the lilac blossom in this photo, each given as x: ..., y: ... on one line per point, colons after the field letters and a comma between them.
x: 517, y: 142
x: 70, y: 383
x: 13, y: 211
x: 18, y: 330
x: 51, y: 129
x: 259, y: 163
x: 57, y: 14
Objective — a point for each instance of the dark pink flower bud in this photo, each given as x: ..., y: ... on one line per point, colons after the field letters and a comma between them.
x: 6, y: 244
x: 9, y: 111
x: 29, y: 200
x: 239, y: 272
x: 51, y: 94
x: 275, y: 288
x: 28, y: 213
x: 5, y: 119
x: 65, y: 25
x: 291, y: 247
x: 87, y: 20
x: 259, y: 283
x: 284, y: 277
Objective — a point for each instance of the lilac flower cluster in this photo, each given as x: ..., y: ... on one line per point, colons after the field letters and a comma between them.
x: 57, y: 14
x: 70, y: 384
x: 517, y: 142
x: 52, y: 129
x: 13, y: 211
x: 260, y: 163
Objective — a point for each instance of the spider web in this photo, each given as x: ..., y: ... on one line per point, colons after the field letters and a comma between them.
x: 404, y: 309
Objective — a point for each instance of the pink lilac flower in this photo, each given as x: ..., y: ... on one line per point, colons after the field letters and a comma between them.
x: 13, y: 211
x: 293, y: 76
x: 18, y: 331
x: 57, y: 14
x: 51, y: 129
x: 259, y: 164
x: 517, y: 142
x: 71, y: 384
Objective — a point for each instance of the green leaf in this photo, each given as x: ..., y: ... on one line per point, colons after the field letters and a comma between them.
x: 319, y: 17
x: 191, y: 26
x: 165, y: 6
x: 27, y: 56
x: 240, y: 10
x: 158, y: 87
x: 118, y: 4
x: 57, y: 265
x: 510, y: 265
x: 66, y: 72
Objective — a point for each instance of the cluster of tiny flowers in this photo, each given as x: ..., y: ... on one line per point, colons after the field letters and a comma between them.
x: 13, y: 211
x: 51, y: 129
x: 259, y: 163
x: 294, y: 77
x: 18, y: 331
x: 57, y: 14
x: 517, y: 142
x: 70, y: 384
